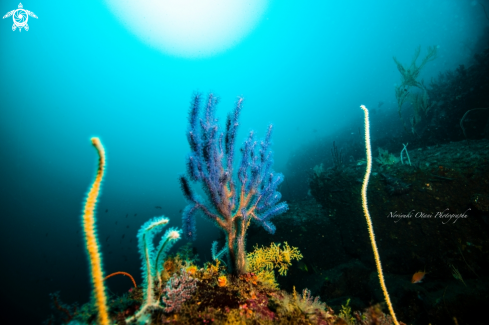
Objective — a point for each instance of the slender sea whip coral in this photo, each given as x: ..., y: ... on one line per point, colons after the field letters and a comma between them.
x: 231, y: 202
x: 367, y: 215
x: 91, y: 240
x: 152, y: 257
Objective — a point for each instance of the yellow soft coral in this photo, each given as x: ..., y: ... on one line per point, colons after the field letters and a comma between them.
x: 263, y: 260
x: 267, y: 278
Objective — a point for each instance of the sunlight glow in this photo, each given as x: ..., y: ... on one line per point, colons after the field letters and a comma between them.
x: 189, y: 28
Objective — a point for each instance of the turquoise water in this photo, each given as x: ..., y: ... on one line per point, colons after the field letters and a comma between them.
x: 81, y: 72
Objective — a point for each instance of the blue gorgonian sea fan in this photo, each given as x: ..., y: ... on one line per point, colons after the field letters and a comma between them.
x: 232, y: 200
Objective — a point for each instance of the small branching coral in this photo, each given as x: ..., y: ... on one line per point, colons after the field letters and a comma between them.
x: 178, y: 289
x: 312, y: 306
x: 345, y: 313
x: 409, y: 75
x: 373, y: 315
x: 264, y: 260
x: 409, y: 78
x: 306, y: 305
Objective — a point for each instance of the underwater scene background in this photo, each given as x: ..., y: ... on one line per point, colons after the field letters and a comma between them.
x: 172, y: 89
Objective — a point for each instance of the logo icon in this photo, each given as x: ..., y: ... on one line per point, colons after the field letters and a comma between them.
x: 20, y: 17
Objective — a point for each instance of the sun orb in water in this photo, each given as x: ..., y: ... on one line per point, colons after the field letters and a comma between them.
x: 189, y: 28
